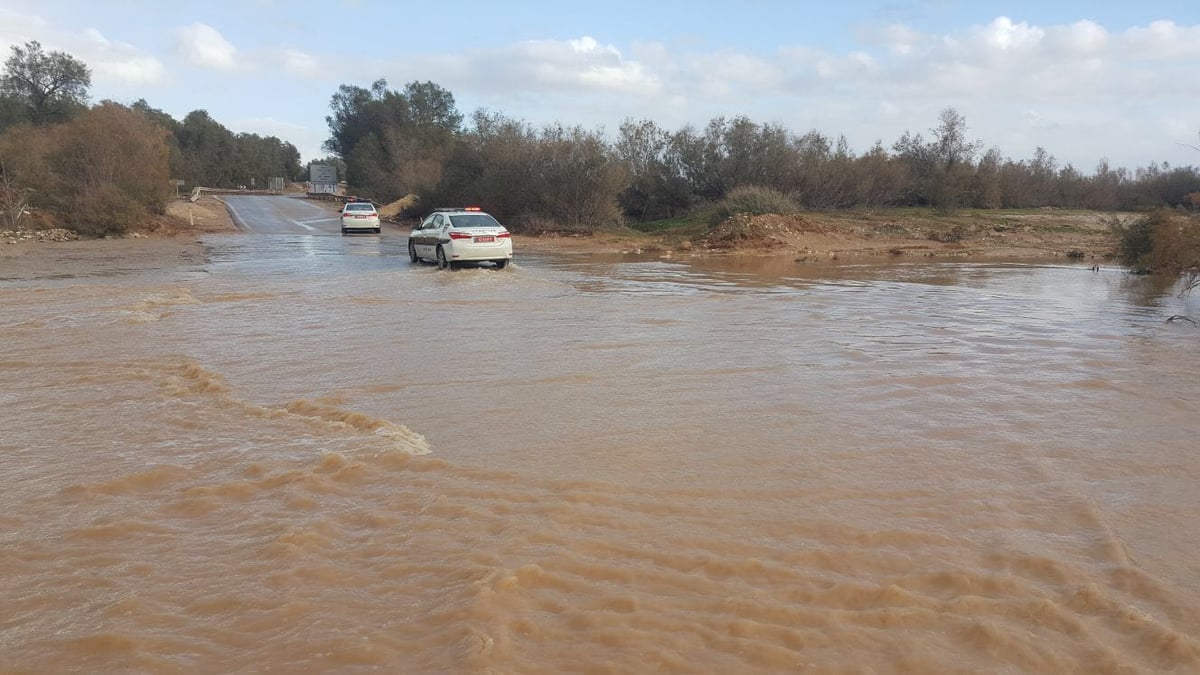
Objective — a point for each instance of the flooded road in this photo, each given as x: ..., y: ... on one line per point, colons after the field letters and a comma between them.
x: 301, y: 453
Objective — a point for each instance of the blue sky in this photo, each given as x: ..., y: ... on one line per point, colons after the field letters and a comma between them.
x: 1085, y: 80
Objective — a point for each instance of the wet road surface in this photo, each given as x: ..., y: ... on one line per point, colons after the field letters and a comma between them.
x: 283, y: 215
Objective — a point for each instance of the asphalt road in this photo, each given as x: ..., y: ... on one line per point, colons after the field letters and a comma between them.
x: 265, y: 214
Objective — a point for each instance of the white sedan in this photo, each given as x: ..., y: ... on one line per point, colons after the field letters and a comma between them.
x: 452, y: 236
x: 360, y: 217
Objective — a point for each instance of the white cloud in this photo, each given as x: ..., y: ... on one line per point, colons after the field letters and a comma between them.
x: 539, y: 67
x: 588, y: 45
x: 299, y: 63
x: 1084, y: 39
x: 202, y: 46
x: 1015, y: 61
x: 1161, y: 40
x: 901, y: 40
x: 16, y: 29
x: 120, y: 63
x: 113, y: 63
x: 1002, y: 34
x: 135, y: 70
x: 730, y: 75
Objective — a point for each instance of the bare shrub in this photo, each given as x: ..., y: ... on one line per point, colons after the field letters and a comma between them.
x: 14, y: 200
x: 892, y: 230
x: 577, y: 177
x: 103, y: 172
x: 104, y: 211
x: 1135, y: 240
x: 953, y: 235
x: 1162, y: 242
x: 553, y: 179
x: 113, y: 146
x: 28, y: 180
x: 752, y: 200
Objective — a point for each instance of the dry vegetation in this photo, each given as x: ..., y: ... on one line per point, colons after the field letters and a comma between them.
x: 1084, y: 235
x: 182, y: 218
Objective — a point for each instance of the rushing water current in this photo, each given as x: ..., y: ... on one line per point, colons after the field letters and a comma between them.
x: 304, y: 454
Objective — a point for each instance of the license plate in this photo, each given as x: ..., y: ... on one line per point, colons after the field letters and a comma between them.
x: 484, y: 240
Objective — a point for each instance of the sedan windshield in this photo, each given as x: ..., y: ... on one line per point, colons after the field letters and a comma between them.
x: 474, y: 220
x: 360, y: 207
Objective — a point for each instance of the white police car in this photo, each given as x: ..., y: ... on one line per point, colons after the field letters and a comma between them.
x: 460, y: 235
x: 359, y: 216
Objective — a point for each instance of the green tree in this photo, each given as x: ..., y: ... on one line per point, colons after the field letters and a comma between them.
x: 52, y: 86
x: 952, y: 155
x: 878, y: 177
x: 393, y: 142
x: 349, y: 116
x: 985, y: 188
x: 257, y: 159
x: 491, y: 166
x: 163, y: 119
x: 577, y: 177
x: 432, y: 115
x: 656, y: 189
x: 919, y: 167
x: 209, y: 151
x: 701, y: 158
x: 12, y: 111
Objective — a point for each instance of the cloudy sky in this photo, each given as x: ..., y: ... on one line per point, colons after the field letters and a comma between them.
x: 1087, y: 81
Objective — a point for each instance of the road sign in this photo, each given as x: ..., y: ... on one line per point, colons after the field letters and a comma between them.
x: 322, y: 174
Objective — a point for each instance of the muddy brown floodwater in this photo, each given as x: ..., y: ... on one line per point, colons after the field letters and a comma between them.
x: 304, y: 454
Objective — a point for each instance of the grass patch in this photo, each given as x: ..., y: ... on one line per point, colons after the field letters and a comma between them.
x: 683, y: 225
x: 752, y: 200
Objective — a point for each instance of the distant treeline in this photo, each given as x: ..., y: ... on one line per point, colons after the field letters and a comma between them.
x: 203, y: 152
x: 104, y: 168
x: 415, y: 141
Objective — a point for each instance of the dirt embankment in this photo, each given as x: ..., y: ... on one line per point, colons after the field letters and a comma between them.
x: 182, y: 217
x: 1083, y: 235
x: 206, y: 214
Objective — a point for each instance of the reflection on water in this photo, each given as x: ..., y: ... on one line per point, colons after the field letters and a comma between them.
x: 303, y: 453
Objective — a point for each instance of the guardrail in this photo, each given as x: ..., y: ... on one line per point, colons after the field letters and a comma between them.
x: 197, y: 192
x: 328, y: 197
x: 340, y: 199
